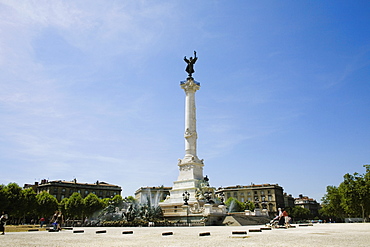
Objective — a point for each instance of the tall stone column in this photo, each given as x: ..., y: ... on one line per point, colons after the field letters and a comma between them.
x: 190, y: 166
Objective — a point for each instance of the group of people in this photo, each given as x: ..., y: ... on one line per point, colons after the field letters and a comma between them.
x: 282, y: 219
x: 56, y: 220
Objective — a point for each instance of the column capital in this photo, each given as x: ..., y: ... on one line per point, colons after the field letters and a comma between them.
x: 190, y: 85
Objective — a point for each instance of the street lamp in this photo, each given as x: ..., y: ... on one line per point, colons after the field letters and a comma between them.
x: 185, y: 196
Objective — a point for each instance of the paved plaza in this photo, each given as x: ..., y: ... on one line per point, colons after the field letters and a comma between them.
x: 355, y: 234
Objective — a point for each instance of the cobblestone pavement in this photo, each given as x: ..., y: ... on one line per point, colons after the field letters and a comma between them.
x: 355, y: 234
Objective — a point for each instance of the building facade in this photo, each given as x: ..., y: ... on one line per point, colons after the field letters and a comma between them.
x: 64, y: 189
x: 309, y: 203
x: 264, y: 196
x: 289, y: 200
x: 152, y: 195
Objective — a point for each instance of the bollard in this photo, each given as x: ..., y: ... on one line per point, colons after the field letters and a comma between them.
x: 265, y: 228
x: 255, y: 230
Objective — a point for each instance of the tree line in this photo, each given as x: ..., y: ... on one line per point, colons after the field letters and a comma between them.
x: 23, y: 205
x: 351, y: 199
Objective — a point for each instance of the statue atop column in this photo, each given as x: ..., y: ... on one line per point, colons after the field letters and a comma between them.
x: 191, y: 61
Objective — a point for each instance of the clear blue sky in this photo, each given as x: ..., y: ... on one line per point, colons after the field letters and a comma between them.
x: 90, y: 90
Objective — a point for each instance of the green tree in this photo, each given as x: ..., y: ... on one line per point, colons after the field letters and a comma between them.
x: 250, y: 205
x: 117, y: 200
x: 62, y: 206
x: 299, y: 213
x: 331, y: 204
x: 16, y: 203
x: 92, y: 204
x: 350, y: 198
x: 355, y: 192
x: 234, y: 205
x: 75, y: 206
x: 30, y: 202
x: 4, y: 199
x: 46, y: 204
x: 130, y: 199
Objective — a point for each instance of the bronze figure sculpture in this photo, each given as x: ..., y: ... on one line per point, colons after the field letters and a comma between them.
x: 191, y: 61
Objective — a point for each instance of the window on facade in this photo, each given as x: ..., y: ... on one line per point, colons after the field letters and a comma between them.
x: 268, y: 192
x: 242, y: 193
x: 270, y: 198
x: 86, y: 192
x: 228, y: 195
x: 262, y: 192
x: 100, y: 192
x: 255, y: 192
x: 242, y: 199
x: 79, y: 191
x: 63, y: 190
x: 249, y: 193
x: 55, y: 189
x: 62, y: 197
x: 263, y: 198
x: 94, y: 192
x: 249, y: 199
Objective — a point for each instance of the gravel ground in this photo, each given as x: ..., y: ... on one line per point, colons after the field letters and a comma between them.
x: 355, y: 234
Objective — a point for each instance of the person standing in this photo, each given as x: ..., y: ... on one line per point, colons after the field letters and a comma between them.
x: 3, y: 219
x: 42, y: 222
x: 286, y: 217
x: 58, y: 220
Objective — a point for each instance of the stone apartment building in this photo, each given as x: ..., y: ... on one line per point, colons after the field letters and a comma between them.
x: 64, y: 189
x: 264, y: 196
x: 152, y: 194
x: 309, y: 203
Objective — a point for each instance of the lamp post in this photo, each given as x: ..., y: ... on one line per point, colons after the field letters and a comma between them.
x: 185, y: 196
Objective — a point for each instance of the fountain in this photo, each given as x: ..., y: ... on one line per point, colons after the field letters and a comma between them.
x: 127, y: 213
